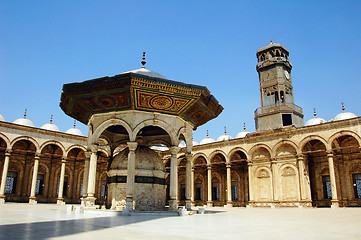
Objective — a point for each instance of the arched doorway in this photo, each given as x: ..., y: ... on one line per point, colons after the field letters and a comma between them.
x: 239, y: 179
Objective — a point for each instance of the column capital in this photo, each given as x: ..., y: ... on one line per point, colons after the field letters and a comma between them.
x: 300, y: 157
x: 93, y: 148
x: 189, y: 156
x: 87, y: 155
x: 8, y: 152
x: 132, y: 146
x: 250, y: 161
x: 209, y: 167
x: 174, y: 149
x: 37, y: 156
x: 228, y: 165
x: 329, y: 153
x: 63, y: 159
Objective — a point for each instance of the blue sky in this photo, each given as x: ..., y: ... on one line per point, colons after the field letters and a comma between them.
x: 44, y: 45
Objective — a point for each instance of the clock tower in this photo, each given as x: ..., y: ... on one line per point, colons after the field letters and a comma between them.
x: 277, y: 101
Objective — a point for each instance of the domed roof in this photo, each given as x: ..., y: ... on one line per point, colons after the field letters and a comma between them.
x: 244, y: 133
x: 2, y: 119
x: 224, y: 137
x: 315, y: 120
x: 183, y: 145
x: 24, y: 121
x: 146, y: 72
x: 207, y: 140
x: 50, y: 126
x: 195, y: 143
x: 344, y: 115
x: 74, y: 130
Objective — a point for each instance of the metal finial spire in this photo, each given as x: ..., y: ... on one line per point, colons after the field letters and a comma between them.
x: 270, y: 41
x: 74, y: 123
x: 207, y: 134
x: 25, y: 112
x: 143, y: 60
x: 244, y: 126
x: 225, y: 130
x: 314, y: 112
x: 343, y: 107
x: 51, y: 119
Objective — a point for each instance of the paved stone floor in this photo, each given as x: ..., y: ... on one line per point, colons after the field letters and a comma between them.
x: 50, y: 221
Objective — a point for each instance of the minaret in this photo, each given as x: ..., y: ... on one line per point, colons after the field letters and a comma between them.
x: 277, y: 101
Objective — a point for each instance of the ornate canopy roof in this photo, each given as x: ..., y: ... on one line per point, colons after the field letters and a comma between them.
x: 136, y: 91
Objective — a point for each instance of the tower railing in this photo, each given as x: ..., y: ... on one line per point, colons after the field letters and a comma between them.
x: 278, y: 106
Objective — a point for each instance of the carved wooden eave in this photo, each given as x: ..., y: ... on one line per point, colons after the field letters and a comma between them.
x: 131, y: 91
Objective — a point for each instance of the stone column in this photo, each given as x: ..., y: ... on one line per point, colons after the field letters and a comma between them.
x: 189, y: 181
x: 4, y: 176
x: 90, y: 200
x: 131, y: 176
x: 85, y: 178
x: 209, y: 178
x: 60, y: 199
x: 229, y: 185
x: 192, y: 187
x: 32, y: 198
x: 250, y: 182
x: 305, y: 187
x: 173, y: 188
x: 335, y: 202
x: 275, y: 181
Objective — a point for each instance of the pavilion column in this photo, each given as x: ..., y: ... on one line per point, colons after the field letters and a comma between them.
x: 173, y: 188
x: 90, y: 200
x: 4, y: 176
x: 131, y: 176
x: 60, y: 199
x: 189, y: 181
x: 209, y: 178
x: 84, y: 192
x: 229, y: 185
x: 331, y: 166
x: 192, y: 186
x: 32, y: 198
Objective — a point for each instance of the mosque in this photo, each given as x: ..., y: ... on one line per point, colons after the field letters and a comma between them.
x: 139, y: 153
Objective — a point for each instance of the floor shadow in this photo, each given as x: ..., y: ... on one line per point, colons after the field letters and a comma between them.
x: 45, y: 230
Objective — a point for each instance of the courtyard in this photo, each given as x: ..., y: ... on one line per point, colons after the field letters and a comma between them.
x: 50, y: 221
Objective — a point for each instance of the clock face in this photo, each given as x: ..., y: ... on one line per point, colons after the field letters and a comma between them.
x: 287, y: 75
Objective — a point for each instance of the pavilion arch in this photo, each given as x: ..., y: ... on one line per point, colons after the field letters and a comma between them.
x: 196, y: 156
x: 216, y: 175
x: 304, y: 141
x: 157, y: 123
x: 42, y: 166
x: 283, y: 143
x: 26, y: 138
x: 345, y: 133
x: 235, y: 150
x: 354, y: 168
x: 257, y: 149
x: 218, y: 152
x: 187, y: 138
x: 81, y: 147
x: 108, y: 123
x: 58, y: 144
x: 103, y: 151
x: 5, y: 139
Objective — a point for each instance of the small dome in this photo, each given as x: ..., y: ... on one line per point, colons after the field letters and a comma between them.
x: 161, y: 148
x: 195, y: 143
x: 74, y: 130
x: 2, y: 119
x: 224, y: 137
x: 24, y: 121
x: 344, y: 115
x: 244, y: 133
x: 315, y: 120
x: 207, y: 140
x: 146, y: 72
x: 182, y: 145
x: 50, y: 126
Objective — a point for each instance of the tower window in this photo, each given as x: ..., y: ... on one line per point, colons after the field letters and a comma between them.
x: 286, y: 119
